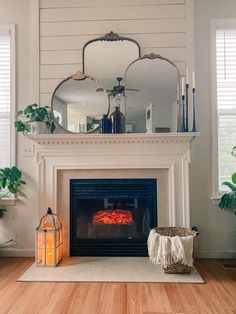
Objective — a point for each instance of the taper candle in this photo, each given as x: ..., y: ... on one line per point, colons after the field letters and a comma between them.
x: 193, y: 79
x: 183, y: 87
x: 187, y: 75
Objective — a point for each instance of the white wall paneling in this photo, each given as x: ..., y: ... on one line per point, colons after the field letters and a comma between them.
x: 97, y: 3
x: 160, y: 26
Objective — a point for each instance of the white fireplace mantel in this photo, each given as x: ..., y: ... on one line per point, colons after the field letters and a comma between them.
x: 169, y: 151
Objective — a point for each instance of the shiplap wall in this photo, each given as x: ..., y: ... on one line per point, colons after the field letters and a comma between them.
x: 161, y: 26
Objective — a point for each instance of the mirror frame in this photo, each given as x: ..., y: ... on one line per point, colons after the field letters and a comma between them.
x: 153, y: 56
x: 79, y: 76
x: 111, y: 36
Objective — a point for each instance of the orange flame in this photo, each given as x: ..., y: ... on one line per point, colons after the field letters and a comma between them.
x: 113, y: 216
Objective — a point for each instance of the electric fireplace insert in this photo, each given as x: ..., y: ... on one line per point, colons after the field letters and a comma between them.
x: 111, y: 217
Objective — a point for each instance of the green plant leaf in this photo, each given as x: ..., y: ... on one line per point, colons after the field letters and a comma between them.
x: 234, y: 177
x: 7, y: 171
x: 16, y: 173
x: 28, y: 110
x: 229, y: 185
x: 10, y: 179
x: 12, y: 188
x: 21, y: 126
x: 2, y: 211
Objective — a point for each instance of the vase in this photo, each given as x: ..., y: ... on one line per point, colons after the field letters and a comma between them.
x: 38, y: 127
x: 105, y: 125
x: 118, y: 121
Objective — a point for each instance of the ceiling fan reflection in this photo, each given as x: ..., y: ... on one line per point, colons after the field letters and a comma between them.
x: 118, y: 90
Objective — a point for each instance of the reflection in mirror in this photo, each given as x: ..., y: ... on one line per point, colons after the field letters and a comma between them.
x: 76, y: 104
x: 154, y: 106
x: 107, y: 58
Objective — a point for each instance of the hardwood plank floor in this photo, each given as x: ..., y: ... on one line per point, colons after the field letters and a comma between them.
x: 218, y: 295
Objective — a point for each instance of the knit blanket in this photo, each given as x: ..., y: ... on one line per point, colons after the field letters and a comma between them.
x: 166, y: 250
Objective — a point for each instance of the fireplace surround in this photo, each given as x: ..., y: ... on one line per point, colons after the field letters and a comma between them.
x: 71, y: 156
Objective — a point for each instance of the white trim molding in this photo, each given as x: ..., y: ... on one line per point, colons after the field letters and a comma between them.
x: 124, y: 151
x: 216, y: 24
x: 11, y: 29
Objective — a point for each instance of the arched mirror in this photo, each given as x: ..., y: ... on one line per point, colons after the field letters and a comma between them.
x: 76, y: 104
x: 107, y: 58
x: 152, y: 95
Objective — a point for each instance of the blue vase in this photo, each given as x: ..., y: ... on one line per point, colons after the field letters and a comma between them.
x: 105, y: 125
x: 118, y: 121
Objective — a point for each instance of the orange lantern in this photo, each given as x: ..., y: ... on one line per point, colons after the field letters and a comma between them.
x: 49, y: 240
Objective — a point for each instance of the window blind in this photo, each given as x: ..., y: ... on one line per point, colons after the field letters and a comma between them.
x: 5, y: 98
x: 226, y: 102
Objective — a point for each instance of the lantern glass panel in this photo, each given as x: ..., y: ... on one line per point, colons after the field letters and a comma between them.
x: 49, y: 240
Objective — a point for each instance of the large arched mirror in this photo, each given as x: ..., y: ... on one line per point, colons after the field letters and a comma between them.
x: 76, y: 104
x: 152, y: 95
x: 107, y: 58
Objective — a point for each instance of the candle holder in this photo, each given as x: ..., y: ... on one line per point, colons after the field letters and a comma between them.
x: 183, y: 114
x: 186, y: 113
x: 194, y: 129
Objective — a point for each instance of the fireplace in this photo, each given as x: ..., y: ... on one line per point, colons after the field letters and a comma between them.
x: 111, y: 217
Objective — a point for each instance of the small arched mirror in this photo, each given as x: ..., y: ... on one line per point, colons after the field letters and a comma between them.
x: 152, y: 95
x: 76, y: 104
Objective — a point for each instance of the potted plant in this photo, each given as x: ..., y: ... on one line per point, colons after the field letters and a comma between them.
x: 228, y: 199
x: 228, y: 202
x: 37, y: 119
x: 10, y: 181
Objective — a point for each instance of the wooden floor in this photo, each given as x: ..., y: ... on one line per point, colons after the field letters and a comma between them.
x: 218, y: 295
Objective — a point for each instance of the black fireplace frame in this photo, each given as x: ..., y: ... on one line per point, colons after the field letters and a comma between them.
x: 110, y: 247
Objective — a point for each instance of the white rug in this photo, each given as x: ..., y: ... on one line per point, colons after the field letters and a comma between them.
x: 106, y: 269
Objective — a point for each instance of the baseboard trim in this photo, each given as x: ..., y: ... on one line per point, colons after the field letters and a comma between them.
x: 14, y: 252
x: 216, y: 254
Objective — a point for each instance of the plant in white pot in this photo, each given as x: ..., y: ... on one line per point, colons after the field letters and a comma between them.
x: 228, y: 202
x: 36, y: 119
x: 228, y: 199
x: 10, y: 181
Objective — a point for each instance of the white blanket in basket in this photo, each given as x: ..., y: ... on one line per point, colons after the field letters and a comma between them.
x: 165, y: 250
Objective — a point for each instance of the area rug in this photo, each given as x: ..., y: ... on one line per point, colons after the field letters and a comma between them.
x: 106, y: 269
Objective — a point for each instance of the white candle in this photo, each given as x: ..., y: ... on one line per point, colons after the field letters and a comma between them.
x: 182, y: 89
x: 193, y: 79
x: 187, y: 75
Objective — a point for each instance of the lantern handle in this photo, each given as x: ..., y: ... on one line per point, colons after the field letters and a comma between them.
x: 49, y: 211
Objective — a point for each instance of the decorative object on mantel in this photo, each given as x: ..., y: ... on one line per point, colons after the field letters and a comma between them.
x: 105, y: 125
x: 10, y: 181
x: 76, y: 105
x: 194, y: 129
x: 118, y: 121
x: 49, y: 240
x: 155, y: 105
x: 185, y: 104
x: 39, y: 120
x: 172, y: 248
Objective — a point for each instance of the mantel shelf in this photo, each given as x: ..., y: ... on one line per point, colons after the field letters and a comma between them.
x: 126, y: 138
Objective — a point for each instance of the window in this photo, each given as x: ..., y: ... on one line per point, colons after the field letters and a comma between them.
x: 7, y: 95
x: 224, y: 101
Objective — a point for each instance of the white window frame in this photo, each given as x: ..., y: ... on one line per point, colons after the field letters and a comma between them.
x: 11, y: 29
x: 215, y: 25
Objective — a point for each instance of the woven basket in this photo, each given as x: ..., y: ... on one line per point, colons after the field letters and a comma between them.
x: 178, y: 268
